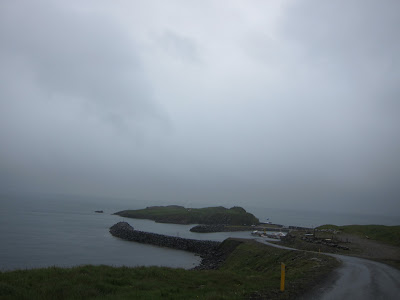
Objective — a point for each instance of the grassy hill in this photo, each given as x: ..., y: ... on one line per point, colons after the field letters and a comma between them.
x: 181, y: 215
x: 386, y: 234
x: 251, y: 271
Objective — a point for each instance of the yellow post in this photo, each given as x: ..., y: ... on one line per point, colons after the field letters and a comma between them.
x: 282, y: 277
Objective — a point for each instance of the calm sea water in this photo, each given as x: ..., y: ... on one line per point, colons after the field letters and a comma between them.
x: 62, y: 231
x: 41, y: 232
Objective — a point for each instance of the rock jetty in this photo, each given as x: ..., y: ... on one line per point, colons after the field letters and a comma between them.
x: 125, y: 231
x: 209, y: 228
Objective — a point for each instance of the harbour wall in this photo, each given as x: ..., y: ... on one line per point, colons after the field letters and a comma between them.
x: 125, y: 231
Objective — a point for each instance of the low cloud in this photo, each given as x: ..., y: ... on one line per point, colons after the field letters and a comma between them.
x: 283, y: 104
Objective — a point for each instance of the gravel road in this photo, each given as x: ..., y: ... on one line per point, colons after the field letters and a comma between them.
x: 359, y: 278
x: 356, y: 278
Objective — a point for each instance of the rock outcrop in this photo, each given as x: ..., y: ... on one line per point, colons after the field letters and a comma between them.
x: 209, y: 228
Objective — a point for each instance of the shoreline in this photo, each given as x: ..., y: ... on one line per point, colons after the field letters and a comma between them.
x: 228, y: 228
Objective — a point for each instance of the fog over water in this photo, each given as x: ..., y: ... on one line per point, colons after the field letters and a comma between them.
x: 264, y: 104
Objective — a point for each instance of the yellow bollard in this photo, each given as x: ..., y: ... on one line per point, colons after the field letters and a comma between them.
x: 282, y: 277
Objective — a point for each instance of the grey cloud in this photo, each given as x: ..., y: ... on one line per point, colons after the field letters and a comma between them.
x: 348, y: 29
x: 333, y: 112
x: 179, y: 47
x: 355, y: 41
x: 79, y: 55
x: 74, y: 97
x: 301, y: 115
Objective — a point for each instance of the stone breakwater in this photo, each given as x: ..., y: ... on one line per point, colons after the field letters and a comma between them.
x: 125, y: 231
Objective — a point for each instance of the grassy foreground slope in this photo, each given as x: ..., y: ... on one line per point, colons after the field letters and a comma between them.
x: 381, y: 233
x: 251, y: 270
x: 181, y: 215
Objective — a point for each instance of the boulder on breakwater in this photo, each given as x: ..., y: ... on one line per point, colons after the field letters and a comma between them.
x: 125, y: 231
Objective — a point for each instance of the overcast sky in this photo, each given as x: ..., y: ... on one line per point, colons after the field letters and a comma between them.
x: 274, y: 103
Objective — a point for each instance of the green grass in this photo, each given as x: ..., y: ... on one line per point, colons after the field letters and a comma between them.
x: 251, y: 269
x: 181, y: 215
x: 386, y: 234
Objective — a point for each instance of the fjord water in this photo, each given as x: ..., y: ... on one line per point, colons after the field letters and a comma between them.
x: 42, y: 232
x: 65, y: 231
x: 46, y: 233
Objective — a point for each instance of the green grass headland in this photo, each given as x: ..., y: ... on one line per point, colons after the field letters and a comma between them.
x: 181, y: 215
x: 386, y: 234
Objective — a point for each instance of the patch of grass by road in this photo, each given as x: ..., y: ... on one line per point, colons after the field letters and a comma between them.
x: 381, y: 233
x: 381, y: 244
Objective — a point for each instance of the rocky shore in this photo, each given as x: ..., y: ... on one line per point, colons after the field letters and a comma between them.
x: 210, y: 252
x: 125, y: 231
